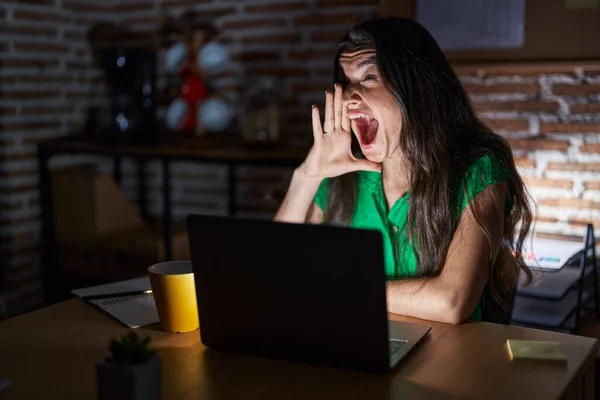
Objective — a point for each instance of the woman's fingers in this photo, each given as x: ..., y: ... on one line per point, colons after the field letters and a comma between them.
x: 329, y: 122
x: 337, y: 106
x: 345, y: 120
x: 316, y: 123
x: 363, y: 165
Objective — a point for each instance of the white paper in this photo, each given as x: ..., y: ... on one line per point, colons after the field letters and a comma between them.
x: 474, y: 24
x: 133, y: 311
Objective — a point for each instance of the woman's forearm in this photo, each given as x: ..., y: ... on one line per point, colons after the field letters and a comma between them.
x: 426, y: 298
x: 298, y: 198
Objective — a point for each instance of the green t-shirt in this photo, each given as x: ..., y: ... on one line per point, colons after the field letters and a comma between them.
x: 371, y: 212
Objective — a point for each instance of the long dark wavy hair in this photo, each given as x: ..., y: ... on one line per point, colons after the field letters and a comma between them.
x: 441, y: 136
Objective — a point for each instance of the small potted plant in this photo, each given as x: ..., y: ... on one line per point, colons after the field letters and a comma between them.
x: 131, y: 372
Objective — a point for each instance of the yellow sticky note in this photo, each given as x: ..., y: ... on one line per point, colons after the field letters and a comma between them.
x: 581, y: 3
x: 535, y: 350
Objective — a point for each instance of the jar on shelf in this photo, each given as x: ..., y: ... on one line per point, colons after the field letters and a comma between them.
x: 261, y: 121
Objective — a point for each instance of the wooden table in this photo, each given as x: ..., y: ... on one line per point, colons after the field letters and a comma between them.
x: 50, y: 353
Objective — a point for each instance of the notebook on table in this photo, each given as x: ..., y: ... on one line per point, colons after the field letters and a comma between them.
x: 134, y: 311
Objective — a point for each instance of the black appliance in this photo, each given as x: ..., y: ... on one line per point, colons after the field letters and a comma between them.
x: 131, y: 78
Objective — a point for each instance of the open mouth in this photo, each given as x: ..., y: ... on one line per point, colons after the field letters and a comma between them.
x: 365, y: 128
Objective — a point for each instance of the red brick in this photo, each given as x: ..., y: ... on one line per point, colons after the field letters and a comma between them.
x: 5, y: 109
x: 209, y: 205
x: 31, y: 125
x: 520, y: 106
x: 17, y: 174
x: 570, y: 203
x: 322, y: 19
x: 308, y: 55
x: 592, y: 108
x: 25, y: 63
x: 557, y: 127
x: 546, y: 218
x: 85, y: 6
x: 18, y: 157
x: 3, y: 47
x: 47, y: 79
x: 34, y: 141
x: 334, y: 36
x: 526, y: 88
x: 310, y: 87
x: 182, y: 3
x: 590, y: 148
x: 143, y: 20
x: 36, y: 2
x: 583, y: 167
x: 28, y: 30
x: 16, y: 222
x: 2, y: 13
x: 256, y: 56
x: 24, y: 188
x: 507, y: 125
x: 278, y: 71
x: 35, y: 16
x: 344, y: 3
x: 5, y: 143
x: 37, y: 94
x: 4, y: 80
x: 46, y: 109
x: 556, y: 236
x: 539, y: 144
x: 275, y: 38
x: 134, y: 6
x: 20, y: 238
x: 576, y: 90
x: 245, y: 23
x: 266, y: 7
x: 526, y: 69
x: 592, y: 185
x: 545, y: 182
x: 42, y: 47
x: 71, y: 34
x: 580, y: 222
x: 525, y: 162
x: 81, y: 65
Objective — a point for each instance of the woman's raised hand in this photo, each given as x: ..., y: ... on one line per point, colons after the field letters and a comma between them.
x: 331, y: 155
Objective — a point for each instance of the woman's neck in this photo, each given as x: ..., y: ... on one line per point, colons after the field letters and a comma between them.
x: 395, y: 177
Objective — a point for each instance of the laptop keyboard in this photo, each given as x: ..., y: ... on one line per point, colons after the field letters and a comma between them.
x: 396, y: 345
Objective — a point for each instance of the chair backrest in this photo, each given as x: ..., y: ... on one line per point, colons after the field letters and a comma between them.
x: 493, y: 311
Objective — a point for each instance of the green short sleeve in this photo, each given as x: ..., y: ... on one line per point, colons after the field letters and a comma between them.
x: 321, y: 196
x: 482, y: 173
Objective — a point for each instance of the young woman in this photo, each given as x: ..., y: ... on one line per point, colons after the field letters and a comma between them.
x: 402, y: 151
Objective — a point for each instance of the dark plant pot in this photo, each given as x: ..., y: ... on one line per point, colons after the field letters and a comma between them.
x: 129, y: 382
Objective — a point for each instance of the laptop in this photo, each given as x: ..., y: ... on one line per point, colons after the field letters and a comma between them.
x: 298, y: 292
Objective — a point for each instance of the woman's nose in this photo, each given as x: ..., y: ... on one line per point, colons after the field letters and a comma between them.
x: 350, y: 95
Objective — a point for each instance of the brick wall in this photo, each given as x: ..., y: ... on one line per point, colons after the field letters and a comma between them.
x: 46, y: 82
x: 550, y: 114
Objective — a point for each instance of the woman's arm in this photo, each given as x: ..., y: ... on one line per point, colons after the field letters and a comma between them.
x: 452, y: 296
x: 330, y: 156
x: 298, y: 200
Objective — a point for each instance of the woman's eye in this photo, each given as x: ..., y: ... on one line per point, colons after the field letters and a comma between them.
x: 370, y: 77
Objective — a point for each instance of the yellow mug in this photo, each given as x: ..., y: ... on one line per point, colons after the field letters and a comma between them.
x: 174, y: 294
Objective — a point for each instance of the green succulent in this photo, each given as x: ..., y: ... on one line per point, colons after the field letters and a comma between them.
x: 130, y: 349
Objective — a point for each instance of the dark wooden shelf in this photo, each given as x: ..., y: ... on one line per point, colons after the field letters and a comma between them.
x: 217, y: 149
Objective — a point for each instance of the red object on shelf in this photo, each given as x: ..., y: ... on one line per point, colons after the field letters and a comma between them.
x: 194, y: 89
